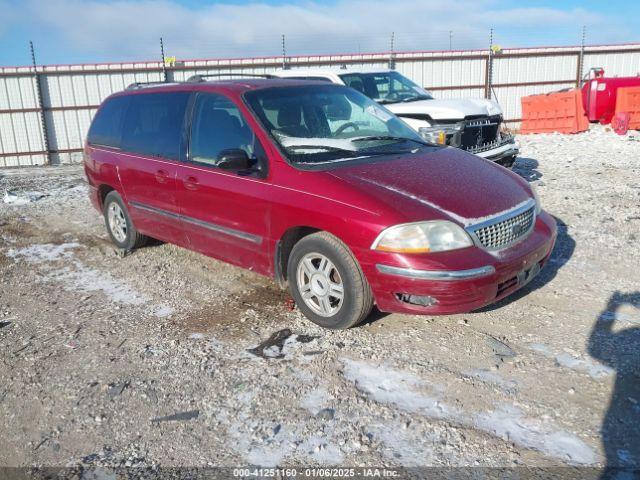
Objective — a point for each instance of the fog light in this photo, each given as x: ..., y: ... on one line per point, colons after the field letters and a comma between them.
x: 421, y: 300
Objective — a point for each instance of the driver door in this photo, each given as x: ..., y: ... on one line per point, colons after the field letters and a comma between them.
x: 225, y: 213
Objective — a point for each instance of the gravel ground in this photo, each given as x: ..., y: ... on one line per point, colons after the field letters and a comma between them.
x: 166, y: 357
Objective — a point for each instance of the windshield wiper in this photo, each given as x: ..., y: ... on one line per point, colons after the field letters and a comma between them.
x: 387, y: 137
x: 326, y: 148
x: 415, y: 99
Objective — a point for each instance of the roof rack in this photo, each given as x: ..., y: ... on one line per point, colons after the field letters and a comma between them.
x: 202, y: 78
x: 136, y: 85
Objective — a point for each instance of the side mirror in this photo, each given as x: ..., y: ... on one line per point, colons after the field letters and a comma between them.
x: 234, y: 159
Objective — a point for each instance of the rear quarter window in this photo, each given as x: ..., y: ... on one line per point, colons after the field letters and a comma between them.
x: 106, y: 128
x: 153, y: 124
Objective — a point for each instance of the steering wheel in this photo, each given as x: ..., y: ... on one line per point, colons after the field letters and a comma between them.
x: 342, y: 128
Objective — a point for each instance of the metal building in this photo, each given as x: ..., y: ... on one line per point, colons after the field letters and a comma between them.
x: 45, y: 112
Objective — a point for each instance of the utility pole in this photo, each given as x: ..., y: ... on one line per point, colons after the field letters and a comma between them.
x: 284, y: 54
x: 392, y: 59
x: 450, y: 40
x: 580, y: 74
x: 489, y: 68
x: 43, y: 119
x: 164, y: 66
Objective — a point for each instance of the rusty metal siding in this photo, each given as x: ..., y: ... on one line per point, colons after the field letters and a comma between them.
x: 71, y: 93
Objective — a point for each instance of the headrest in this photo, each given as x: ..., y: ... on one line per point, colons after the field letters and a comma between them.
x: 290, y: 115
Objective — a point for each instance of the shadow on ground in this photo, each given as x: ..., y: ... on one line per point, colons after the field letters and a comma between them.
x: 619, y: 349
x: 527, y: 168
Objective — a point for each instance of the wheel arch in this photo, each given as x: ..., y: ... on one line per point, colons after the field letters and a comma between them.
x: 104, y: 190
x: 283, y: 250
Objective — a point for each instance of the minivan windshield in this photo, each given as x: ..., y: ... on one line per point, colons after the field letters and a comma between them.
x: 386, y: 87
x: 327, y: 123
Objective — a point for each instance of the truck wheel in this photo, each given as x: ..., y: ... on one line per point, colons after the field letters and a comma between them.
x: 119, y: 224
x: 327, y: 283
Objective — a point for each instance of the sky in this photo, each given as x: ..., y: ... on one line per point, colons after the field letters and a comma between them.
x: 75, y: 31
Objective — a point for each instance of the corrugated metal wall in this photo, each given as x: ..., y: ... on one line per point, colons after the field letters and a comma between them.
x: 72, y: 93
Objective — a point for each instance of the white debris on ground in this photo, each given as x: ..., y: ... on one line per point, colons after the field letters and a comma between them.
x: 166, y: 357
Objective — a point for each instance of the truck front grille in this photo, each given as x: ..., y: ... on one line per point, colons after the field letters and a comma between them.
x: 505, y: 232
x: 479, y: 132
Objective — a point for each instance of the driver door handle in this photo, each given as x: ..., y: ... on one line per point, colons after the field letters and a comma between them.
x: 191, y: 183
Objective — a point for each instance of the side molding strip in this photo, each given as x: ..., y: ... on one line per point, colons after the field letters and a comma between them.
x: 249, y: 237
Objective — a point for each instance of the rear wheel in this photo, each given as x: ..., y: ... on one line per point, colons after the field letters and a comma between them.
x: 119, y: 224
x: 327, y: 283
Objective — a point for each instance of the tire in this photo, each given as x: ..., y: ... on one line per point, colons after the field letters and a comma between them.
x: 121, y: 229
x: 309, y: 276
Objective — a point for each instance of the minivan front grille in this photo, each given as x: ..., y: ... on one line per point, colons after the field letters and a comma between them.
x: 504, y: 232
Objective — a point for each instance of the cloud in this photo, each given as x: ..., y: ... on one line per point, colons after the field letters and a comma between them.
x: 130, y: 29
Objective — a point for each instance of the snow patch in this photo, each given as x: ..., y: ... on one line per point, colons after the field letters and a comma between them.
x: 77, y: 277
x: 594, y: 369
x: 402, y: 389
x: 490, y: 377
x: 83, y: 279
x: 163, y: 311
x: 42, y: 253
x: 396, y: 387
x: 22, y: 198
x: 508, y: 423
x: 315, y: 400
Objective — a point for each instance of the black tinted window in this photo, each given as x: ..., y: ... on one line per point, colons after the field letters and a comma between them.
x: 153, y: 124
x: 106, y: 127
x: 218, y: 125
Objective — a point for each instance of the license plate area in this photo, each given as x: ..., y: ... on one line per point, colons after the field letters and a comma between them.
x: 528, y: 274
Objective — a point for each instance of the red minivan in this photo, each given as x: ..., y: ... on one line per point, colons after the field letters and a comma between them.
x: 318, y: 186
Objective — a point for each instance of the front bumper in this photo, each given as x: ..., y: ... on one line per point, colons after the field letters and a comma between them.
x: 458, y: 281
x: 502, y: 153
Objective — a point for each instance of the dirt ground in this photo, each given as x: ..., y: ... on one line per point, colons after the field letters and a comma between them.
x: 150, y: 359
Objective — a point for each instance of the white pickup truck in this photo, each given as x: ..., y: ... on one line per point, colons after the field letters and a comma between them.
x: 474, y: 125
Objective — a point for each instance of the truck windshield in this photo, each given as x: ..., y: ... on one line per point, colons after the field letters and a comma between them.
x: 386, y: 87
x: 327, y: 123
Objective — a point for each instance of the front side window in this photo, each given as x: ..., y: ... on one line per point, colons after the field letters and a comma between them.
x: 386, y: 87
x: 320, y: 123
x: 106, y: 128
x: 153, y: 124
x: 218, y: 126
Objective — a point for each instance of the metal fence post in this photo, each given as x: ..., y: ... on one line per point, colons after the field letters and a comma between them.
x: 40, y: 106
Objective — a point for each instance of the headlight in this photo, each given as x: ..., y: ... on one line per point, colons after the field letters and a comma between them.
x: 422, y: 237
x: 438, y: 133
x: 537, y: 199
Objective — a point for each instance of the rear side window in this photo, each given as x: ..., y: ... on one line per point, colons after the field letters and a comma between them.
x: 106, y: 127
x: 153, y: 124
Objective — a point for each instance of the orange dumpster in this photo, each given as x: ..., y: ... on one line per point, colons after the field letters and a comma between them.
x: 554, y: 112
x: 628, y: 101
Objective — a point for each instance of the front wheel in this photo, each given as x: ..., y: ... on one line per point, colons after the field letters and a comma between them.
x: 119, y: 224
x: 327, y: 283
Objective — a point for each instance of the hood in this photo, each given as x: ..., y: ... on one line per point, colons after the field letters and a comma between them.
x: 446, y: 183
x: 452, y: 109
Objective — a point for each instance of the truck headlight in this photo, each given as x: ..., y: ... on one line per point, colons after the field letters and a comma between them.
x: 422, y: 237
x: 438, y: 133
